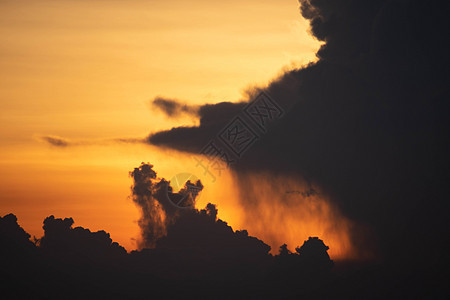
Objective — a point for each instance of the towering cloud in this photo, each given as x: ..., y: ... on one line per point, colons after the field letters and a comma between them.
x: 367, y: 123
x: 158, y: 203
x: 170, y: 221
x: 156, y: 212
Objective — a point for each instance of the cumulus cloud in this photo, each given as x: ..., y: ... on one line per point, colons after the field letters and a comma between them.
x: 157, y: 202
x: 61, y: 238
x: 168, y: 224
x: 200, y: 256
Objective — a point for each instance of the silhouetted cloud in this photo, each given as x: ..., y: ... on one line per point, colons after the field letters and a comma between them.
x: 368, y: 122
x: 198, y: 256
x: 213, y: 117
x: 55, y: 141
x: 158, y: 203
x: 12, y: 235
x: 62, y: 239
x: 156, y: 211
x: 173, y: 108
x: 165, y: 225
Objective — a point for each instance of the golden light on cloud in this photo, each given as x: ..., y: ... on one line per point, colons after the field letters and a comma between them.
x: 281, y: 210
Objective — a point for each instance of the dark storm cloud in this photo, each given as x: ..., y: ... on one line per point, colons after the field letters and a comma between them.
x: 367, y: 122
x: 173, y: 108
x: 345, y: 26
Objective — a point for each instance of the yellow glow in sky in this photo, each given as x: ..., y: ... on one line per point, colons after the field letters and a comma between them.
x: 86, y: 71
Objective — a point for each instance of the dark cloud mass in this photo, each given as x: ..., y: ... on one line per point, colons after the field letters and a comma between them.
x: 195, y: 255
x: 368, y: 122
x: 61, y: 238
x: 366, y: 125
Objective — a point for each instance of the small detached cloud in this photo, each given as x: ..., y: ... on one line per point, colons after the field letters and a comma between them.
x: 55, y: 141
x: 174, y: 108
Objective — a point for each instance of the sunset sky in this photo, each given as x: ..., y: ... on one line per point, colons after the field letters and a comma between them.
x: 86, y: 71
x: 269, y: 149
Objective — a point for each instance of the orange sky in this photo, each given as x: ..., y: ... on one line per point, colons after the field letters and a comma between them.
x: 87, y: 70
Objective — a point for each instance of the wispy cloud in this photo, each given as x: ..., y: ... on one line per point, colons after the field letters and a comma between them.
x: 61, y: 142
x: 174, y: 108
x: 55, y: 141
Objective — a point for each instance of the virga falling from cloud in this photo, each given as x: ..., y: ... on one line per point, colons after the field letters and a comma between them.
x: 286, y: 210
